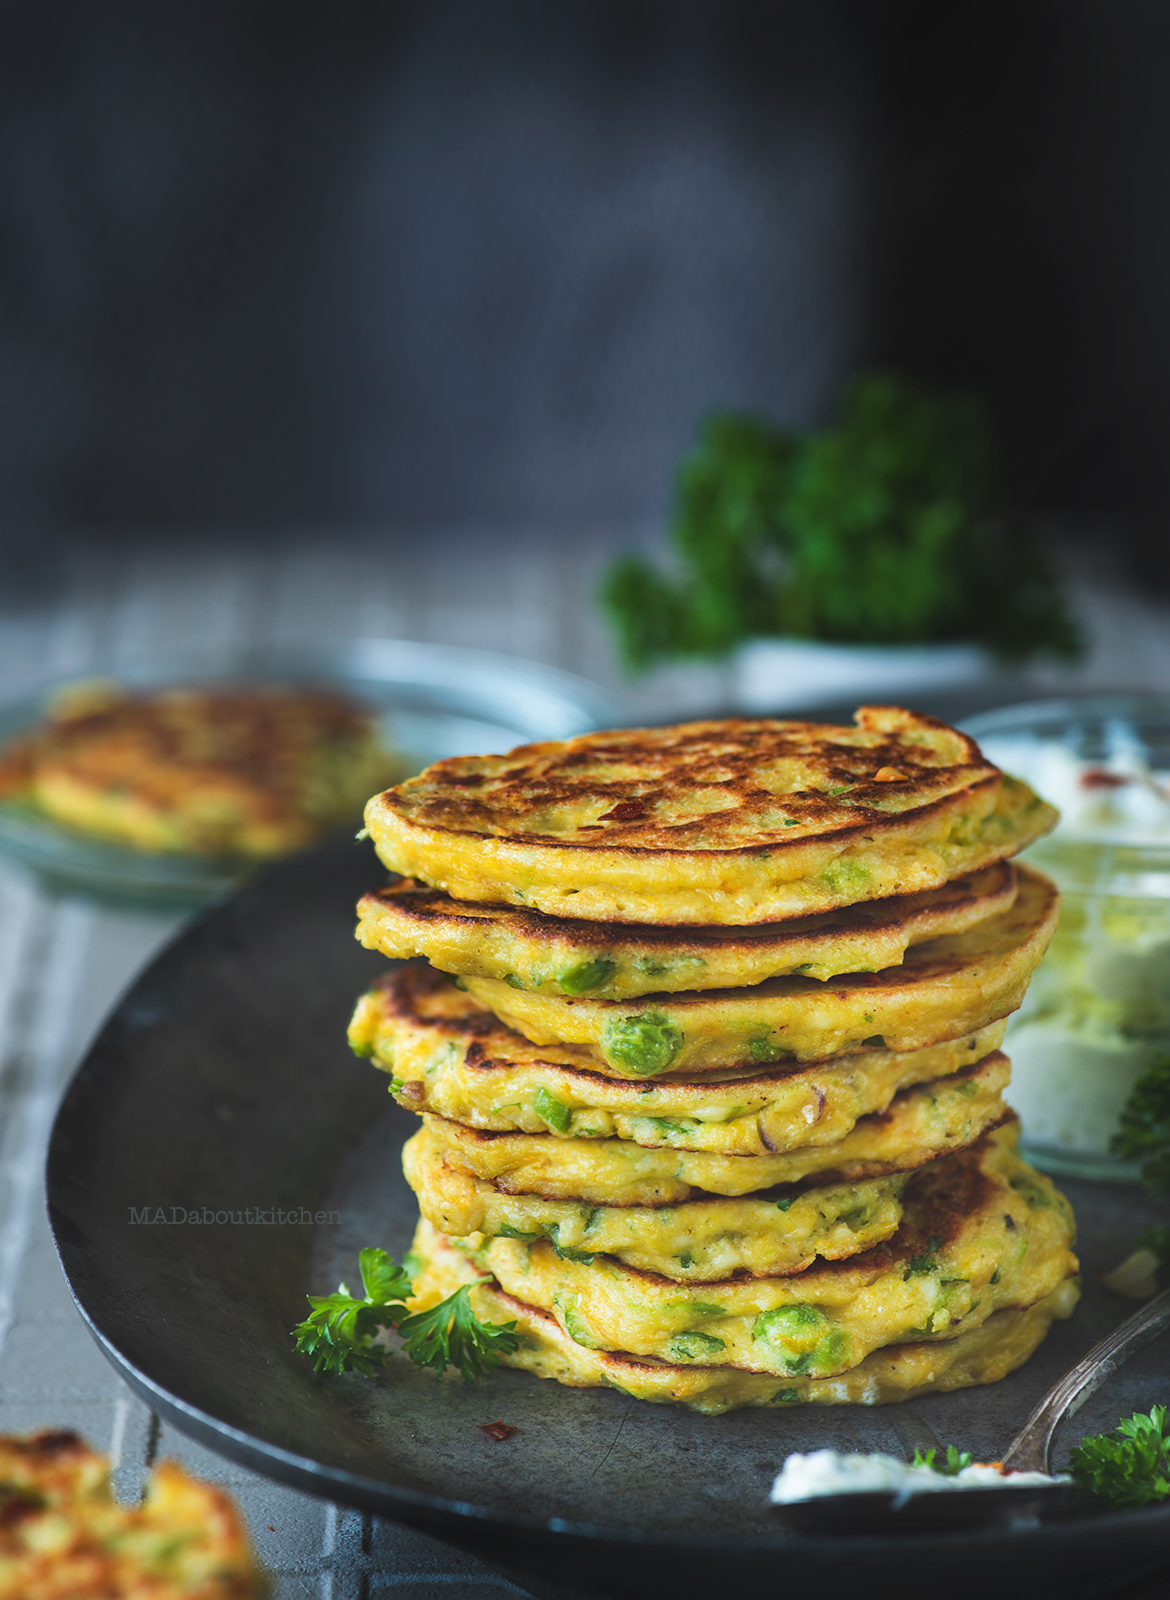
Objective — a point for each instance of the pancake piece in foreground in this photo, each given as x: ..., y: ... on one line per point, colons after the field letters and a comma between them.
x: 446, y: 1055
x: 943, y: 989
x: 924, y: 1122
x: 985, y: 1354
x: 734, y: 822
x: 620, y: 961
x: 981, y: 1233
x: 63, y: 1536
x: 243, y: 771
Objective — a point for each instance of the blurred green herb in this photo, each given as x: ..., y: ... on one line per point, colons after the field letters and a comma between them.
x: 877, y: 530
x: 1157, y: 1241
x: 1144, y: 1131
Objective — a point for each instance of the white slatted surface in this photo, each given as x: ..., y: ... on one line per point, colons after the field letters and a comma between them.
x: 63, y: 962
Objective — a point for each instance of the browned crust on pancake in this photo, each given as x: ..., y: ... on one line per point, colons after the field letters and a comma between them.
x: 727, y: 757
x: 646, y: 1363
x: 404, y: 991
x: 820, y: 1180
x: 944, y: 1193
x: 243, y: 771
x: 249, y: 734
x: 417, y: 901
x: 770, y: 840
x: 486, y: 1136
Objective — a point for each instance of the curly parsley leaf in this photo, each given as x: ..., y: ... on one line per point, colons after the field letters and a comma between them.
x: 382, y: 1278
x: 450, y: 1334
x: 1130, y: 1467
x: 339, y: 1332
x: 950, y: 1466
x: 1144, y: 1132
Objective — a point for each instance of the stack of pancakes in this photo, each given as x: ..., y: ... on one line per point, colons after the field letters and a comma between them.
x: 706, y: 1047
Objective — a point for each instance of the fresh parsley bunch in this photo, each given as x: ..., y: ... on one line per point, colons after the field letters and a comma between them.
x: 1130, y: 1467
x: 338, y: 1334
x: 880, y: 529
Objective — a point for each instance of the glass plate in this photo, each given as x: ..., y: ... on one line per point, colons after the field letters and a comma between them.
x: 1097, y: 1016
x: 431, y: 701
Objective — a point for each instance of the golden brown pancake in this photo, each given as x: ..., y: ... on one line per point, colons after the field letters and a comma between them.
x: 705, y: 1237
x: 921, y: 1123
x: 445, y: 1054
x: 245, y: 771
x: 734, y: 822
x: 943, y: 989
x: 620, y: 961
x: 984, y: 1354
x: 981, y: 1232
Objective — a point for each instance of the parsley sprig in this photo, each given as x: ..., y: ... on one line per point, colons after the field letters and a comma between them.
x: 338, y: 1333
x: 1129, y: 1467
x: 451, y: 1335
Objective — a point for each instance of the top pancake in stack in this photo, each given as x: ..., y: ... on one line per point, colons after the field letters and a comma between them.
x: 710, y: 823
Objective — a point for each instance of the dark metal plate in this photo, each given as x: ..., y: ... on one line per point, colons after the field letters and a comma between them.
x: 222, y: 1085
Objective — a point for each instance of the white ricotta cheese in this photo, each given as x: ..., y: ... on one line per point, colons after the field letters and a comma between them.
x: 825, y: 1472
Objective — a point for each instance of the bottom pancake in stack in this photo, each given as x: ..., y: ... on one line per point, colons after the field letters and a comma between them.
x: 960, y: 1293
x: 728, y: 1260
x: 984, y: 1353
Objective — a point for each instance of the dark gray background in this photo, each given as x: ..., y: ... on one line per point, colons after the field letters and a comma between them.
x: 403, y: 264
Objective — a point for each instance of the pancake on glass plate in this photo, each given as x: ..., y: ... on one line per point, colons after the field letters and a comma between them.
x: 244, y: 771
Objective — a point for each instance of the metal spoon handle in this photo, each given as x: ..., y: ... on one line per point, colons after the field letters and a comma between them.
x: 1028, y: 1451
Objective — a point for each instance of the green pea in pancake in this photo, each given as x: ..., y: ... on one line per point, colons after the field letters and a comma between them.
x: 704, y: 1238
x: 447, y: 1055
x: 981, y: 1232
x: 620, y: 961
x: 922, y: 1123
x: 945, y: 988
x: 984, y: 1354
x: 735, y: 822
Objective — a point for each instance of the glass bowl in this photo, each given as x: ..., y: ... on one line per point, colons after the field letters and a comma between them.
x: 430, y: 701
x: 1097, y: 1015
